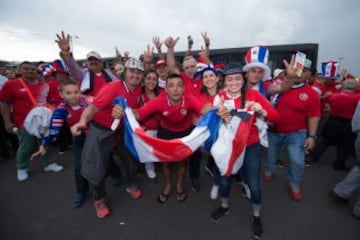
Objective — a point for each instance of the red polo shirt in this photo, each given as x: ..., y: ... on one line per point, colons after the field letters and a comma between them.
x: 192, y: 86
x: 295, y: 107
x: 343, y: 104
x: 174, y: 118
x: 104, y: 100
x: 15, y: 94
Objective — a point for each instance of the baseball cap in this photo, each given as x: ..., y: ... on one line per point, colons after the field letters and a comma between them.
x: 232, y: 68
x: 134, y: 63
x: 160, y: 62
x: 93, y: 54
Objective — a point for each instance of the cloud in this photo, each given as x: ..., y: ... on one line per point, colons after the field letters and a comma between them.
x: 131, y: 25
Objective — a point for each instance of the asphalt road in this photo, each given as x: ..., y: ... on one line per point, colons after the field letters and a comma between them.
x: 41, y: 208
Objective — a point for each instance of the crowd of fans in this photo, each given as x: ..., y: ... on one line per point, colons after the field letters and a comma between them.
x: 61, y: 104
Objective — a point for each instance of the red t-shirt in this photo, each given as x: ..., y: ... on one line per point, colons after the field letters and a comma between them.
x: 54, y: 95
x: 151, y: 122
x: 99, y: 82
x: 104, y: 100
x: 343, y: 104
x: 14, y: 93
x: 253, y: 95
x: 205, y: 98
x: 328, y: 87
x: 174, y: 118
x: 295, y: 107
x: 192, y: 86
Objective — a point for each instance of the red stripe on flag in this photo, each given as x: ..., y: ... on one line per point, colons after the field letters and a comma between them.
x: 239, y: 143
x: 166, y: 150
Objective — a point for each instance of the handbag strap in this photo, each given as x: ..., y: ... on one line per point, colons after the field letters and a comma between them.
x: 32, y: 99
x: 31, y: 96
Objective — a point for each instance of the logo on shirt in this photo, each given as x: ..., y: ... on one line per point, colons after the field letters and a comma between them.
x: 165, y: 113
x: 22, y: 89
x: 303, y: 96
x: 183, y: 111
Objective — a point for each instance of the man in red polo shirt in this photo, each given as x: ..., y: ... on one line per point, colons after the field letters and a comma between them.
x: 192, y: 87
x: 176, y: 111
x: 299, y: 110
x: 101, y: 141
x: 16, y: 103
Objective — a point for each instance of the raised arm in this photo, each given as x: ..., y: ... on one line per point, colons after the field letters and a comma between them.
x: 63, y: 41
x: 157, y: 43
x: 148, y: 57
x: 170, y: 57
x: 290, y: 79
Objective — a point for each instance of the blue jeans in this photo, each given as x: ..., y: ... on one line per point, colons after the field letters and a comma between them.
x: 252, y: 172
x: 294, y: 145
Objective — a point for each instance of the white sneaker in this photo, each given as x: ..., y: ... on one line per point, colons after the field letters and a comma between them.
x: 150, y: 170
x: 53, y: 167
x: 22, y: 175
x: 214, y: 192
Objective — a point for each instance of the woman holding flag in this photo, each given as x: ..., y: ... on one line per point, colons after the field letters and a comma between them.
x: 237, y: 96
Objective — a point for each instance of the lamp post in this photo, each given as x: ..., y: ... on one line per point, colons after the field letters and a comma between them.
x: 71, y: 41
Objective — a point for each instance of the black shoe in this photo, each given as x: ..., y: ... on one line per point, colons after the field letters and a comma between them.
x: 195, y: 185
x: 256, y: 227
x: 308, y: 163
x: 219, y: 214
x: 340, y: 168
x: 282, y: 163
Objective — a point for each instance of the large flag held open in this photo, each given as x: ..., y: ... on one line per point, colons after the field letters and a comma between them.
x: 226, y: 142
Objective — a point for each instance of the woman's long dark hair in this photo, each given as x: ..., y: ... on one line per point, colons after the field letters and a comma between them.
x: 156, y: 90
x: 243, y: 91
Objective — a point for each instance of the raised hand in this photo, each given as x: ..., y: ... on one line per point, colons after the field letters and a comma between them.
x: 63, y: 41
x: 157, y: 43
x: 290, y: 67
x: 148, y: 54
x: 170, y: 42
x: 206, y: 39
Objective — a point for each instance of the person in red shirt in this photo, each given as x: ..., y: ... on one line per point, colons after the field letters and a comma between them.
x: 176, y: 110
x: 68, y: 112
x: 337, y: 129
x: 237, y: 95
x: 193, y: 87
x: 299, y: 110
x: 210, y: 89
x: 101, y: 141
x: 150, y: 90
x: 16, y: 104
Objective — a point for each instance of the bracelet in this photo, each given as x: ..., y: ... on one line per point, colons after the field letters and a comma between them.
x: 312, y: 136
x: 65, y: 52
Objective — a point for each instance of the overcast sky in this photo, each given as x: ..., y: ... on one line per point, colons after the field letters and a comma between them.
x: 28, y: 28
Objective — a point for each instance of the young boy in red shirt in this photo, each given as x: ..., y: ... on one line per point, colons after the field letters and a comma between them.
x: 69, y: 112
